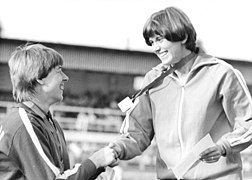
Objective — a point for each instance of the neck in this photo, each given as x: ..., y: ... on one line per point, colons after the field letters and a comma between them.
x: 44, y: 106
x: 185, y: 64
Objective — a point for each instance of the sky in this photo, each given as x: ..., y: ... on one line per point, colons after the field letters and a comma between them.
x: 223, y: 26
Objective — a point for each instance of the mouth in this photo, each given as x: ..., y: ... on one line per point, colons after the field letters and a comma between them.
x: 163, y: 54
x: 62, y: 87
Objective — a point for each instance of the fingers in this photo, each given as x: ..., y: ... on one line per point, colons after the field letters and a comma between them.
x: 114, y: 163
x: 113, y: 156
x: 116, y: 148
x: 210, y: 155
x: 104, y: 157
x: 116, y: 160
x: 210, y: 159
x: 111, y: 152
x: 110, y: 147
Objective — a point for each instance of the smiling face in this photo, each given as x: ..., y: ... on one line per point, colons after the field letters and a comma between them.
x: 53, y: 85
x: 170, y: 33
x: 167, y: 51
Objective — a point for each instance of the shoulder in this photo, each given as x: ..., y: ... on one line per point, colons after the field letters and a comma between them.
x: 152, y: 75
x: 12, y: 121
x: 223, y: 68
x: 11, y: 129
x: 214, y: 65
x: 221, y: 71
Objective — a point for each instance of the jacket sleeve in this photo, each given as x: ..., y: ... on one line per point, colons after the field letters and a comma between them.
x: 33, y: 166
x: 84, y: 171
x: 237, y: 104
x: 137, y: 129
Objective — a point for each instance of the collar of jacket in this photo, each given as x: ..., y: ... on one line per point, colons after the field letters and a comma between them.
x: 34, y: 108
x: 202, y: 59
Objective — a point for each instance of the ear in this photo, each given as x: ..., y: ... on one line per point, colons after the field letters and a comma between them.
x: 184, y: 41
x: 41, y: 82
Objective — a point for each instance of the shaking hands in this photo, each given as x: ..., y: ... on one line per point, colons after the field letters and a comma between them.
x: 106, y: 156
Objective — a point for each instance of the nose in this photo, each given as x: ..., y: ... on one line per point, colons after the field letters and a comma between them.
x: 156, y: 47
x: 65, y: 77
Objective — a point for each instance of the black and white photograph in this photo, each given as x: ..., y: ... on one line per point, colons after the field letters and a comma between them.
x: 125, y: 90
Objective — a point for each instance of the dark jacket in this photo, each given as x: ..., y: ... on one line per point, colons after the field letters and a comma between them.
x: 19, y: 158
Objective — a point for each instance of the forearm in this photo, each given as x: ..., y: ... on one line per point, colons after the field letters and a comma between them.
x: 126, y: 147
x: 86, y: 170
x: 237, y: 104
x: 236, y: 141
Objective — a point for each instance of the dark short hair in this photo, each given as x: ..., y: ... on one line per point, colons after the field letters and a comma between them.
x: 29, y: 63
x: 172, y: 24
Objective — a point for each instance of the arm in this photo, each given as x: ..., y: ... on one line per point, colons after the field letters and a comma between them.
x: 92, y: 167
x: 237, y: 104
x: 33, y: 165
x: 137, y: 130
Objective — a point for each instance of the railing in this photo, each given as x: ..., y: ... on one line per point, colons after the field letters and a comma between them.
x: 88, y: 119
x: 81, y: 119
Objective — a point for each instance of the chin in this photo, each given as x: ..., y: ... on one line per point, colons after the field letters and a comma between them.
x: 58, y: 100
x: 166, y: 63
x: 61, y: 99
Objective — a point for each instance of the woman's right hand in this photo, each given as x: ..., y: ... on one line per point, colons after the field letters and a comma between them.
x: 104, y: 157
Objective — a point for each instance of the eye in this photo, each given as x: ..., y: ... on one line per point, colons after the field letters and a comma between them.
x: 59, y: 69
x: 159, y: 38
x: 156, y: 39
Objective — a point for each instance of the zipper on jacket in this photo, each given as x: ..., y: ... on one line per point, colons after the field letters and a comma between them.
x: 180, y: 120
x: 179, y: 123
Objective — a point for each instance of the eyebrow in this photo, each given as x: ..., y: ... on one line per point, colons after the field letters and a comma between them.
x: 57, y: 68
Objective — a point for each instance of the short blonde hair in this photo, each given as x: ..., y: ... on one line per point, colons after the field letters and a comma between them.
x: 27, y: 64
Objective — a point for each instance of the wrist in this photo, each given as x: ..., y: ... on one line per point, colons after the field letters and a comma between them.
x: 221, y: 150
x: 94, y: 161
x: 222, y: 145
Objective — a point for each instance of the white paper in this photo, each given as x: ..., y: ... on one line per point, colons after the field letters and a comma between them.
x: 193, y: 156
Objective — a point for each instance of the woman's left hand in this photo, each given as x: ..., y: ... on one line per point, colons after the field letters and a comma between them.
x: 211, y: 155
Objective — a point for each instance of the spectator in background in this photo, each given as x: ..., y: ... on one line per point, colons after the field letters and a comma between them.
x: 199, y: 99
x: 32, y: 144
x: 82, y: 121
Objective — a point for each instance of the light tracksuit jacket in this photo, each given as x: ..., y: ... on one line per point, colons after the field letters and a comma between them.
x: 213, y: 99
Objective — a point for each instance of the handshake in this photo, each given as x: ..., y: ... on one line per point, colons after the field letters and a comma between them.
x: 106, y: 156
